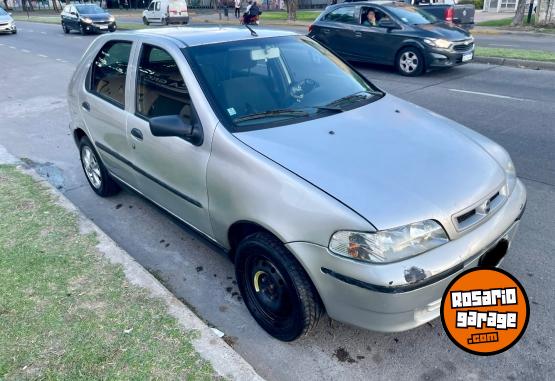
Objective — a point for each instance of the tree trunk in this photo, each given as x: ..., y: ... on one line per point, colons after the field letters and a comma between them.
x: 518, y: 20
x: 292, y: 10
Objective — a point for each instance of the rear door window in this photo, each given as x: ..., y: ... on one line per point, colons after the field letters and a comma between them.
x: 343, y: 15
x: 109, y: 71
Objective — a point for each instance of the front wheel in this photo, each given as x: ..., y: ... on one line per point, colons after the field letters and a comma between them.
x: 276, y: 289
x: 97, y: 175
x: 145, y: 21
x: 82, y: 29
x: 65, y: 28
x: 410, y: 62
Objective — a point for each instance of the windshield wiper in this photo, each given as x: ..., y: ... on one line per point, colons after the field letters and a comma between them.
x: 271, y: 113
x: 356, y: 97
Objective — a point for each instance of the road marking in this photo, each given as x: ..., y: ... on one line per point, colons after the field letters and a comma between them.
x: 42, y: 55
x: 42, y: 32
x: 78, y: 37
x: 25, y: 51
x: 490, y: 95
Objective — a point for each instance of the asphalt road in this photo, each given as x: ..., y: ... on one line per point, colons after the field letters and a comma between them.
x: 515, y: 107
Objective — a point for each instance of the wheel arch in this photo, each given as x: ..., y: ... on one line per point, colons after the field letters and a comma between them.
x: 78, y: 134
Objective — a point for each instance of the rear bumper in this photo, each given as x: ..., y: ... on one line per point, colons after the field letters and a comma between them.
x: 178, y: 19
x: 403, y: 295
x: 438, y: 58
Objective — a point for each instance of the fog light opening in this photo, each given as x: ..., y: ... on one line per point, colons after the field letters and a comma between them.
x: 493, y: 257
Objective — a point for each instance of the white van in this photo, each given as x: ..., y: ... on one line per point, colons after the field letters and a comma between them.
x: 166, y: 12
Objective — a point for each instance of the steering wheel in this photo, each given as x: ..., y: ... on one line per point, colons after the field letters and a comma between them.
x: 299, y: 89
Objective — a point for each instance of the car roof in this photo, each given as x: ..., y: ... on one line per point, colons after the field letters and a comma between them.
x: 211, y: 35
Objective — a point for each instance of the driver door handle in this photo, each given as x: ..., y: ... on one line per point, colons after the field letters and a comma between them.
x: 86, y: 106
x: 137, y: 133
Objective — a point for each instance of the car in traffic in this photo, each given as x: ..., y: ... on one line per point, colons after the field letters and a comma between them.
x: 7, y: 23
x: 87, y: 18
x: 462, y: 15
x: 166, y: 12
x: 327, y: 193
x: 392, y: 33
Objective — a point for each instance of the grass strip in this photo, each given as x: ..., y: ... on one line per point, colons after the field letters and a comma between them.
x: 522, y: 54
x: 66, y: 312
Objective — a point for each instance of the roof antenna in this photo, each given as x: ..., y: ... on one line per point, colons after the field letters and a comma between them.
x: 253, y: 33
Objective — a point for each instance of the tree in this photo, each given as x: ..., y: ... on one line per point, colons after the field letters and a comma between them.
x: 518, y: 20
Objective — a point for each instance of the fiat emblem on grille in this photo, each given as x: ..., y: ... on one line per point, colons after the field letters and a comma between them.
x: 485, y: 207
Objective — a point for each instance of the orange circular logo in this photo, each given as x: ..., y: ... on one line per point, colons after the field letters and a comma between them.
x: 485, y: 311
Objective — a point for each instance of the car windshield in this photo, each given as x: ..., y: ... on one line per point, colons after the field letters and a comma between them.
x: 267, y: 82
x: 89, y: 9
x: 411, y: 15
x: 3, y: 12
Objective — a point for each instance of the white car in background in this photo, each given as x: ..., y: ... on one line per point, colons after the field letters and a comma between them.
x: 7, y: 24
x: 166, y: 12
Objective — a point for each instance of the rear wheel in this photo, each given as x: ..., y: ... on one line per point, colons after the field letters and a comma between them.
x: 145, y: 21
x: 97, y: 175
x: 276, y: 289
x: 65, y: 28
x: 82, y: 29
x: 410, y: 61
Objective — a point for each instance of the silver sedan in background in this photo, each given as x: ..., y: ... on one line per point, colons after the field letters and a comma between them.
x: 328, y: 194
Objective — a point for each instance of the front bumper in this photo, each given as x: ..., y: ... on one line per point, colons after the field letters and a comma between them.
x: 403, y: 295
x: 97, y: 28
x: 438, y: 58
x: 8, y: 28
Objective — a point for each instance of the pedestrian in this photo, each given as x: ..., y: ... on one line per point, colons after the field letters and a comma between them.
x: 237, y: 9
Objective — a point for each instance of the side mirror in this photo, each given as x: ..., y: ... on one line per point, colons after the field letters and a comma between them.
x: 174, y: 125
x: 388, y: 24
x: 73, y: 13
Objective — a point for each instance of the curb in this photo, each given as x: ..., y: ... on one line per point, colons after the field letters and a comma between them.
x: 527, y: 64
x: 225, y: 361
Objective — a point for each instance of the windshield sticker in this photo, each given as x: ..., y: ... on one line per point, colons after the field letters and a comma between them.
x: 231, y: 111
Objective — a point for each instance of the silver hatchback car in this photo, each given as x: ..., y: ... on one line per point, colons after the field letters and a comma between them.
x: 328, y: 194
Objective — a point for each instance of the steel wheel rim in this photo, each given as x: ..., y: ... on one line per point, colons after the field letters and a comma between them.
x: 268, y: 289
x: 408, y: 61
x: 91, y: 167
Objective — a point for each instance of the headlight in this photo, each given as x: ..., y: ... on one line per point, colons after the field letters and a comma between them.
x: 389, y: 245
x: 511, y: 175
x: 86, y: 20
x: 438, y: 43
x: 111, y: 18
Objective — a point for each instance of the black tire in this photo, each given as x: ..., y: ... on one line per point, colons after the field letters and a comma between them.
x: 145, y: 21
x: 409, y: 62
x: 65, y: 28
x: 82, y: 29
x: 276, y: 289
x: 14, y: 31
x: 107, y: 187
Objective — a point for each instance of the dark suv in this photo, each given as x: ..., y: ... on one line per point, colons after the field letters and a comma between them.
x: 87, y: 18
x: 392, y: 33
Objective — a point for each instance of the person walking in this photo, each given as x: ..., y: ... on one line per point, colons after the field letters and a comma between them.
x: 237, y: 9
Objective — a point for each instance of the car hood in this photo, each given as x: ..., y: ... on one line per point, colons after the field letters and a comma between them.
x: 392, y: 162
x: 97, y: 16
x: 443, y: 30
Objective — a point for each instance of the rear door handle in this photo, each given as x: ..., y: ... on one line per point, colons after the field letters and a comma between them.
x: 137, y: 133
x: 86, y: 106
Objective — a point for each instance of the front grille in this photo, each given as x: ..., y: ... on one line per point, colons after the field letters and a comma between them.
x: 480, y: 211
x: 101, y: 22
x: 3, y: 23
x: 463, y: 47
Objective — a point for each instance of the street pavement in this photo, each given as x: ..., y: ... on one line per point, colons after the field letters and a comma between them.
x: 515, y: 107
